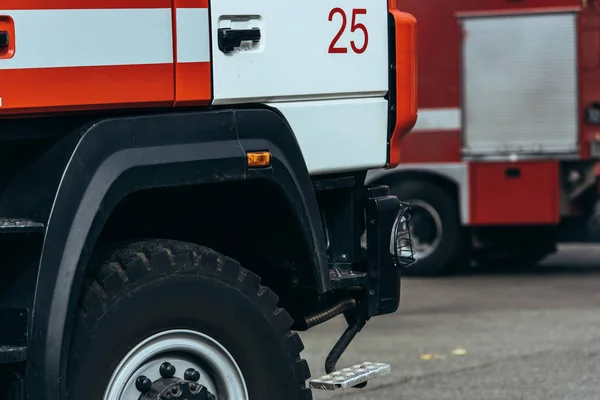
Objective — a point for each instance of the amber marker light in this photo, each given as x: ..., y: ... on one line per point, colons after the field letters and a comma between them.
x: 258, y: 159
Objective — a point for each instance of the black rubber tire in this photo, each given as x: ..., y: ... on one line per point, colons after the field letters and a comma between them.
x: 150, y: 286
x: 451, y: 254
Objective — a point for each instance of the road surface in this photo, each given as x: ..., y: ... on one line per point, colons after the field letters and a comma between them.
x: 484, y: 335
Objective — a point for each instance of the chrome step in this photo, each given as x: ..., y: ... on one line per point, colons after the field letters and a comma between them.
x: 18, y: 225
x: 12, y: 354
x: 349, y: 377
x: 343, y: 278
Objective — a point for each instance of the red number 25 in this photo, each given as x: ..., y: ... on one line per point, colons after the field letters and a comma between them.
x: 353, y: 28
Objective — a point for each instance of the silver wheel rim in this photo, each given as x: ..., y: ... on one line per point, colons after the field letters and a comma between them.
x: 184, y: 349
x: 421, y: 246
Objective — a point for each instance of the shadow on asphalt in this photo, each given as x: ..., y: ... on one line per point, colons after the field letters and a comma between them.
x: 531, y: 271
x: 572, y: 259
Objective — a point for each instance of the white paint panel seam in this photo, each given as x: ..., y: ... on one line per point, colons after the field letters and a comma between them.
x: 193, y: 35
x: 339, y: 135
x: 82, y: 38
x: 438, y: 119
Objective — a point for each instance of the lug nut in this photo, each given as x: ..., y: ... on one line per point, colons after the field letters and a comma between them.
x: 191, y: 374
x: 167, y: 370
x: 143, y: 384
x: 176, y: 391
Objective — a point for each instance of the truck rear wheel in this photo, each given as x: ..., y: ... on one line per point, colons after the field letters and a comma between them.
x: 181, y: 318
x: 436, y: 231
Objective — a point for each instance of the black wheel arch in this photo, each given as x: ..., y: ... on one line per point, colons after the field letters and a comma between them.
x: 111, y: 158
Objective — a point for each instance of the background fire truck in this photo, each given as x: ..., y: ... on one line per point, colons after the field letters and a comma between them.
x: 501, y: 164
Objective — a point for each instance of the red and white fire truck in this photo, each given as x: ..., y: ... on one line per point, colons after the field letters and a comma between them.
x: 182, y: 188
x: 501, y: 164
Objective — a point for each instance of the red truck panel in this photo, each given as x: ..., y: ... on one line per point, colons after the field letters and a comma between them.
x: 439, y: 38
x: 439, y: 64
x: 119, y: 54
x: 431, y: 146
x: 508, y: 193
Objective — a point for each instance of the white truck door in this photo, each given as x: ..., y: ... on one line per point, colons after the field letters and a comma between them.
x: 322, y: 63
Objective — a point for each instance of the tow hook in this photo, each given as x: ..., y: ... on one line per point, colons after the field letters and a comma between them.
x: 169, y: 387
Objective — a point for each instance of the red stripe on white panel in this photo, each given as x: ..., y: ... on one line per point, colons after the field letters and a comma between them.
x: 86, y: 59
x: 193, y: 72
x: 193, y: 84
x: 78, y: 38
x: 191, y: 3
x: 53, y: 89
x: 80, y: 4
x: 193, y: 35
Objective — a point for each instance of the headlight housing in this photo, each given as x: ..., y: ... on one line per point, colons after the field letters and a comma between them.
x: 401, y: 242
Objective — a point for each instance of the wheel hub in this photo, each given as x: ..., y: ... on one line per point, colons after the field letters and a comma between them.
x: 427, y: 228
x: 177, y: 365
x: 169, y: 387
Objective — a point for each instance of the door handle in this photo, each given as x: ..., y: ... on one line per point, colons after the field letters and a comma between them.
x: 4, y: 40
x: 229, y: 39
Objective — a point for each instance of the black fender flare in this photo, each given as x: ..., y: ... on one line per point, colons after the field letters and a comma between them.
x: 117, y: 156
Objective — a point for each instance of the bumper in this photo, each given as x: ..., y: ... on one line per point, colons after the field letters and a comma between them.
x: 389, y: 249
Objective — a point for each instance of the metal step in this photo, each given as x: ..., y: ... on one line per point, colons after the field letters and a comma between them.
x: 12, y: 354
x: 18, y: 225
x: 344, y: 278
x: 349, y: 377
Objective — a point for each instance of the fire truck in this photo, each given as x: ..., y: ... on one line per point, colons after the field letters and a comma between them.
x: 182, y: 190
x: 502, y: 162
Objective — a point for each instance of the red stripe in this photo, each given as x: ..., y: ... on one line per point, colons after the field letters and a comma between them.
x: 431, y: 147
x: 81, y: 4
x: 406, y: 82
x: 73, y: 88
x: 193, y: 84
x: 191, y: 3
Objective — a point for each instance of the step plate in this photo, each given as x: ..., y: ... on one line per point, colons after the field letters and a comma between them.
x: 12, y: 354
x: 16, y: 225
x: 348, y: 377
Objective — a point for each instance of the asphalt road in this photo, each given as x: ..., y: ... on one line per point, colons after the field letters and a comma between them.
x: 523, y: 335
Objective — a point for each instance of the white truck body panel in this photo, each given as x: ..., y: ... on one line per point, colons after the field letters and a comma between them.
x: 334, y: 101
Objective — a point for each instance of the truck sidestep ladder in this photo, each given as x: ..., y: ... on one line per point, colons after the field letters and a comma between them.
x: 13, y: 335
x: 358, y: 313
x: 13, y: 352
x: 356, y: 376
x: 14, y: 332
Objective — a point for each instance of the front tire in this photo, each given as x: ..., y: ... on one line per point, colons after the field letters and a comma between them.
x: 158, y: 302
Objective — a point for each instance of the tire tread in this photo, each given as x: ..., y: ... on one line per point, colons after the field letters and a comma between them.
x: 142, y: 260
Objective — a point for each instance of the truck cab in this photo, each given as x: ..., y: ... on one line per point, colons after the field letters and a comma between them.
x: 182, y: 190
